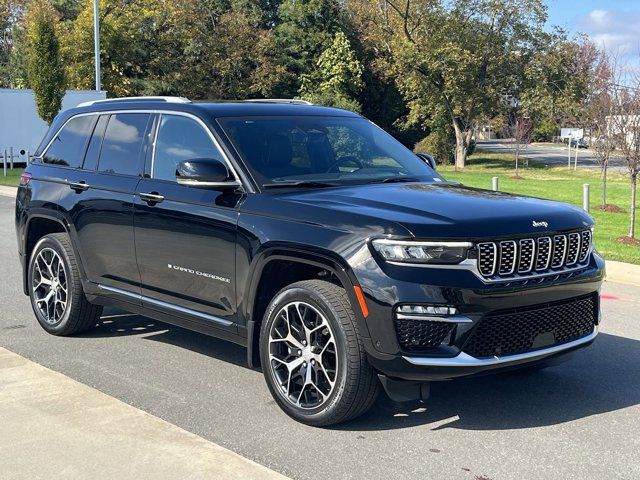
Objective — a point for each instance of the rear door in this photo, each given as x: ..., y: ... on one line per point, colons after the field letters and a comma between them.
x: 100, y: 201
x: 186, y: 238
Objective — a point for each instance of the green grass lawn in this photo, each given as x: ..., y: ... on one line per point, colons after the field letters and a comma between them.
x: 13, y: 176
x: 561, y: 184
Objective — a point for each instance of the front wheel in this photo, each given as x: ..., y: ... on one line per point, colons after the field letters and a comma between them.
x: 312, y: 355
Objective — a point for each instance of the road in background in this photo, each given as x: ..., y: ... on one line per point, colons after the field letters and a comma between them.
x: 553, y: 156
x: 579, y: 420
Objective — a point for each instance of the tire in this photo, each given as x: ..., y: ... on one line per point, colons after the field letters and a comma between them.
x: 77, y: 314
x: 327, y: 315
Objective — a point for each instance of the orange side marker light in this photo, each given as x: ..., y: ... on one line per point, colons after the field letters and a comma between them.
x: 361, y: 301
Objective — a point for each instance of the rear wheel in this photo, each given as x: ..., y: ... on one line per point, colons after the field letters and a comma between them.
x: 312, y: 355
x: 57, y: 298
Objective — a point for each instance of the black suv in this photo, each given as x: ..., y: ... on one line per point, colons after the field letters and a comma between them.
x: 340, y: 259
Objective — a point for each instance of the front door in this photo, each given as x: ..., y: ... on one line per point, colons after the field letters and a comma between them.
x: 185, y: 237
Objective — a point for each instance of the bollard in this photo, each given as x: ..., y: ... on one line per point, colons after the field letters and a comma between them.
x: 585, y: 197
x: 28, y: 157
x: 4, y: 163
x: 495, y: 184
x: 11, y: 158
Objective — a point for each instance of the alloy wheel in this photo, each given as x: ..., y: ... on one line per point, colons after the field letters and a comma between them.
x: 303, y: 355
x: 50, y: 286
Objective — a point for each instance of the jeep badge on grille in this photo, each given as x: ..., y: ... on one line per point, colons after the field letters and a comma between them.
x: 540, y: 224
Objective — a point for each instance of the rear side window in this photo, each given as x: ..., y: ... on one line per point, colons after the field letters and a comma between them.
x: 123, y: 140
x: 93, y: 150
x: 67, y: 148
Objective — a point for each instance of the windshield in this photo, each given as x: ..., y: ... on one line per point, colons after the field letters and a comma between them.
x: 322, y: 151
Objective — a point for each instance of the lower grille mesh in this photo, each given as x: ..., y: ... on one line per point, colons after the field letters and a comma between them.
x: 524, y: 330
x: 419, y: 334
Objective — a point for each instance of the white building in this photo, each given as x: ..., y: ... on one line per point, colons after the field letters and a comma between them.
x: 20, y: 126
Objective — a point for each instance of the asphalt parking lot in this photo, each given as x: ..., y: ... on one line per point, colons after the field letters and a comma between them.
x: 580, y: 420
x: 553, y: 155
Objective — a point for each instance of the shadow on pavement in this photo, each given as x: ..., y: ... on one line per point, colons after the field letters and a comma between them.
x: 601, y: 378
x: 117, y: 323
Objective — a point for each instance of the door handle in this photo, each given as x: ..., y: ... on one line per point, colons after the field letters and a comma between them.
x: 80, y: 186
x: 151, y: 198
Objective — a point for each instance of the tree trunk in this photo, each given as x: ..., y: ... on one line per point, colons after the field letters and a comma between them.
x: 604, y: 185
x: 462, y: 144
x: 517, y: 158
x: 632, y: 218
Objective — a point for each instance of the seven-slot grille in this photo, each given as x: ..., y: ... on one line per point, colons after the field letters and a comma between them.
x: 531, y: 256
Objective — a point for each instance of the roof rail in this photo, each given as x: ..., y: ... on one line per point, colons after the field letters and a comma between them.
x: 136, y: 99
x: 291, y: 101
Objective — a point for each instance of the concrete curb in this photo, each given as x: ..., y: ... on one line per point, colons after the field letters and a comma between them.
x: 621, y: 272
x: 8, y: 191
x: 55, y: 427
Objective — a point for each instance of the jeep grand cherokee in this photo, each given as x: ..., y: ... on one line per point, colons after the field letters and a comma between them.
x: 341, y: 260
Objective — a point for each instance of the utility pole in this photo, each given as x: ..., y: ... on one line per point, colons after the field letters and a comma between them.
x: 96, y: 42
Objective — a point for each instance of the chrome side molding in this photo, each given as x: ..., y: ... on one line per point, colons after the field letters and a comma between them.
x: 168, y: 306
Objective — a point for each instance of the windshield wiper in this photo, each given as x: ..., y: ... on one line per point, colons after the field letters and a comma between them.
x: 299, y: 184
x: 399, y: 180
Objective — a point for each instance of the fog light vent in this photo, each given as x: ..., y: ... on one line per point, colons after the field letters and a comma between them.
x: 420, y: 334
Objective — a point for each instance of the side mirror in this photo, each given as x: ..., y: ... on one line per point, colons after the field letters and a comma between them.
x: 205, y: 173
x: 428, y: 159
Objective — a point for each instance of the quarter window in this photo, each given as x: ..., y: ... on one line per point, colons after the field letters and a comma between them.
x: 67, y: 148
x: 123, y: 140
x: 93, y: 150
x: 180, y: 138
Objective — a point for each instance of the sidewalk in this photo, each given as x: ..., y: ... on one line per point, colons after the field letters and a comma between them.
x: 52, y: 427
x: 8, y: 191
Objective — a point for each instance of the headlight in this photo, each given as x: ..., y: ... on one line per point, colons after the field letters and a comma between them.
x: 439, y: 253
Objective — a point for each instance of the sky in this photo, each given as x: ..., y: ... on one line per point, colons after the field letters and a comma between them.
x: 614, y: 24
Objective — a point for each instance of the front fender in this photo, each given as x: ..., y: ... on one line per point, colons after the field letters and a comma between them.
x: 325, y: 260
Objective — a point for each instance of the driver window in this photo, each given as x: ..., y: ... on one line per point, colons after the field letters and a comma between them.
x: 179, y: 138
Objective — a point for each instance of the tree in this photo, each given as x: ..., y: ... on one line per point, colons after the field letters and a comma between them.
x: 227, y: 56
x: 11, y: 41
x: 460, y: 54
x: 44, y: 66
x: 625, y: 126
x: 599, y: 113
x: 304, y: 30
x: 337, y: 81
x: 381, y: 99
x: 520, y: 130
x: 556, y: 82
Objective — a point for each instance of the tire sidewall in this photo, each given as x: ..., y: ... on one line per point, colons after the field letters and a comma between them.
x: 54, y: 244
x: 288, y: 295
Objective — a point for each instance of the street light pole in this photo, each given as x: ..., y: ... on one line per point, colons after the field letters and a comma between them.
x: 96, y: 42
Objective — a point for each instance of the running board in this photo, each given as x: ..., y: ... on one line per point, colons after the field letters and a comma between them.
x: 167, y: 306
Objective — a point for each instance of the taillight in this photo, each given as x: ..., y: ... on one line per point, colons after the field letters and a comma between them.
x: 25, y: 178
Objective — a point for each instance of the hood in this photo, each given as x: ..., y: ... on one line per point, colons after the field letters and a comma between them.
x: 442, y: 210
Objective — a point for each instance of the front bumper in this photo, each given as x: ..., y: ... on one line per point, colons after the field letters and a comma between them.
x: 422, y: 369
x: 474, y: 304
